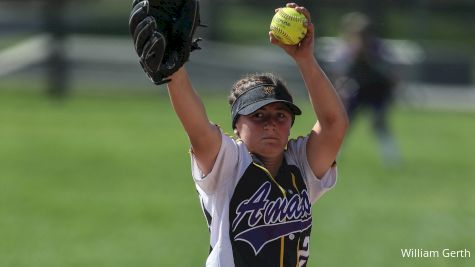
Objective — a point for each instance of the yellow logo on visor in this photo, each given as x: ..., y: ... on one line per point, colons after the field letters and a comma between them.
x: 268, y: 90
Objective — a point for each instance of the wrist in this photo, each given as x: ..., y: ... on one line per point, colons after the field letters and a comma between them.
x: 306, y: 61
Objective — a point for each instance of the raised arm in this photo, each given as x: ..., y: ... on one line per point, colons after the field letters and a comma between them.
x: 327, y: 134
x: 150, y: 26
x: 205, y: 137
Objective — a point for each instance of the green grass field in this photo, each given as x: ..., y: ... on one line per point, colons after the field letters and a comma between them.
x: 104, y: 180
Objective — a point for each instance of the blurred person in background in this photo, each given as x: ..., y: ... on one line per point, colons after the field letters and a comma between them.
x: 364, y: 80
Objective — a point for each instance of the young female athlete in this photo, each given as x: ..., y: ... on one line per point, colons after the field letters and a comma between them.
x: 257, y: 191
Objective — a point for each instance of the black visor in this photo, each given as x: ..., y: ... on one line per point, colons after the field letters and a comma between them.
x: 258, y: 96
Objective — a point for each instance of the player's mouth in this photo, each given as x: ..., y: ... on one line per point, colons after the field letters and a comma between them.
x: 270, y: 138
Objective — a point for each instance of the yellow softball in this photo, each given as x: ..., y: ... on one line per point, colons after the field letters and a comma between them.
x: 288, y: 26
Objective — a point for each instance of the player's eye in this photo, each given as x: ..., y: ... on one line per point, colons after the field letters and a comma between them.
x: 282, y: 116
x: 258, y: 115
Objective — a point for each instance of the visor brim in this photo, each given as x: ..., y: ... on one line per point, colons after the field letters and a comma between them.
x: 259, y: 104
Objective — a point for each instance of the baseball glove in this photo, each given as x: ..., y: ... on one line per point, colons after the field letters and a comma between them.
x: 162, y: 32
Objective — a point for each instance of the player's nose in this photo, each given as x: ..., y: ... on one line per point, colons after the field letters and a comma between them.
x: 270, y: 122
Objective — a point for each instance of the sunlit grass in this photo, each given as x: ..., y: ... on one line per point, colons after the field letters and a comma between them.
x: 104, y: 180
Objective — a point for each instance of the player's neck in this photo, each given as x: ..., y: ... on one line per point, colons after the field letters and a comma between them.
x: 272, y: 164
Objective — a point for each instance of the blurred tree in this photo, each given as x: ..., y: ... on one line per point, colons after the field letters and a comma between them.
x: 211, y: 15
x: 57, y: 64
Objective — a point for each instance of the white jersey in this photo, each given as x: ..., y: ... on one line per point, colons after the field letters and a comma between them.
x: 256, y: 219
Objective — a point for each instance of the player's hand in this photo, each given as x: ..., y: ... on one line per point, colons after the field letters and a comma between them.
x: 305, y: 48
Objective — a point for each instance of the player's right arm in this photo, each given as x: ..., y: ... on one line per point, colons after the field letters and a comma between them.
x: 204, y: 136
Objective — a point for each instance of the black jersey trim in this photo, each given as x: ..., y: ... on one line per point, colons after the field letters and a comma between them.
x: 208, y: 216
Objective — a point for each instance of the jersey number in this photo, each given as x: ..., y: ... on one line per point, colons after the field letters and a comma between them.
x: 303, y: 253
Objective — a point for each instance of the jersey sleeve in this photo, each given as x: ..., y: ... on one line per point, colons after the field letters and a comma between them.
x: 224, y: 168
x: 317, y: 186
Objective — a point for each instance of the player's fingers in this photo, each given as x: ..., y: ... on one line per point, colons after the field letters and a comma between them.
x: 276, y: 41
x: 305, y: 12
x: 143, y: 33
x: 310, y: 27
x: 309, y: 36
x: 272, y: 39
x: 292, y: 5
x: 277, y: 9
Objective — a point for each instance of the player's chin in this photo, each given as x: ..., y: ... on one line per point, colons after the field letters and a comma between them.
x: 272, y: 147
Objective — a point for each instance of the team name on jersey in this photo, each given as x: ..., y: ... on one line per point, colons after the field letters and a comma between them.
x: 269, y: 220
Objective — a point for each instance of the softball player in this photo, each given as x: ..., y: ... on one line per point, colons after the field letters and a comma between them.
x: 256, y: 192
x: 367, y: 79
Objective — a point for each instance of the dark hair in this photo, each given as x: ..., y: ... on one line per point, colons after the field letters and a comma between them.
x: 247, y: 82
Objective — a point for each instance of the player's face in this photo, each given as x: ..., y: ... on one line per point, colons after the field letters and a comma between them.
x: 266, y: 131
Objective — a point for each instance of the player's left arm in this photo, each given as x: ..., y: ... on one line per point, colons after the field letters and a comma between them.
x: 328, y: 132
